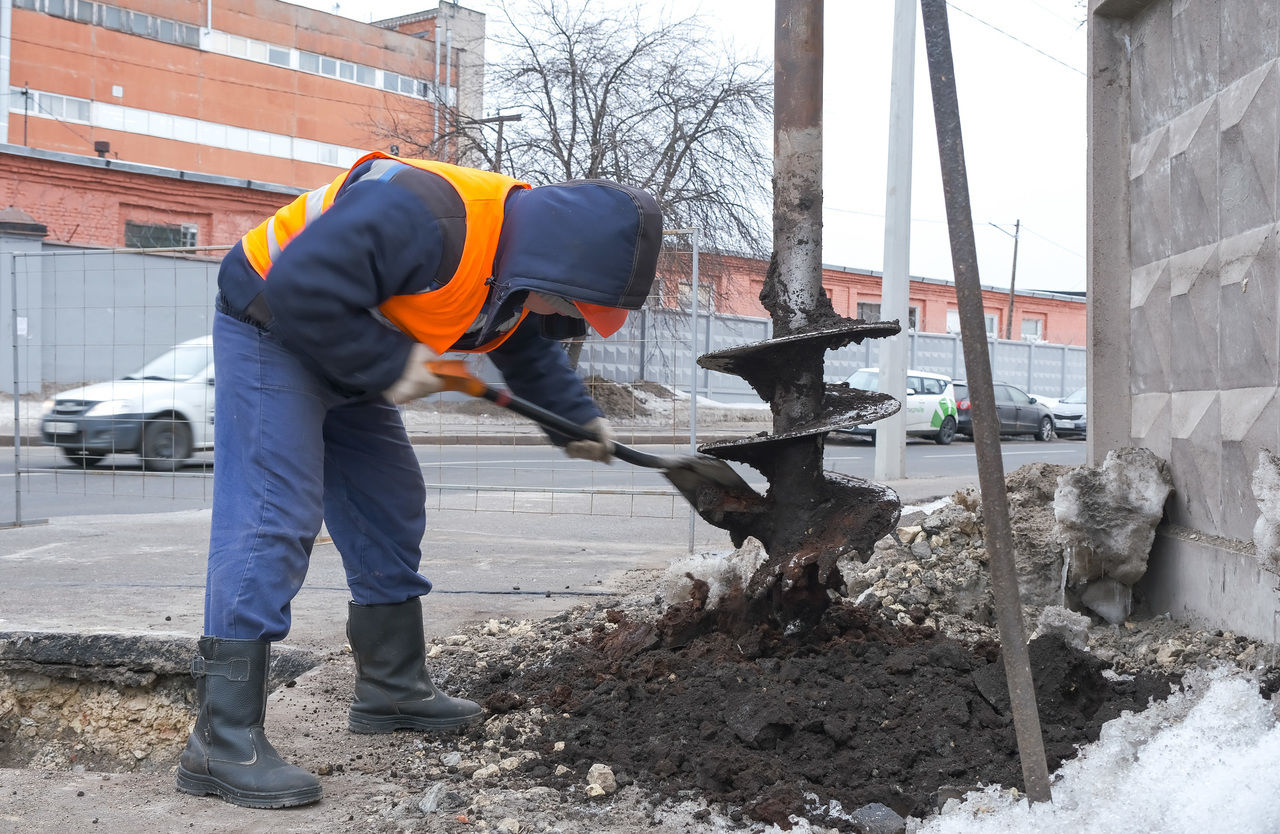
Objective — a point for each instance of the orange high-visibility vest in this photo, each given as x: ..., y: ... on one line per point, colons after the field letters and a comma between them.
x: 437, y: 318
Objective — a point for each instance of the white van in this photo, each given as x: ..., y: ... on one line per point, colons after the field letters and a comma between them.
x: 928, y: 411
x: 163, y: 412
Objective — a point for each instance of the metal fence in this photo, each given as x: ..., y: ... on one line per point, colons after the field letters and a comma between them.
x: 71, y: 317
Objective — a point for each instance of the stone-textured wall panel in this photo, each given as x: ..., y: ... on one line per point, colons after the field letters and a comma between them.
x: 1249, y: 31
x: 1152, y: 423
x: 1193, y: 177
x: 1151, y: 69
x: 1194, y: 292
x: 1247, y: 114
x: 1250, y: 423
x: 1150, y: 342
x: 1196, y: 44
x: 1149, y: 208
x: 1196, y: 459
x: 1249, y: 309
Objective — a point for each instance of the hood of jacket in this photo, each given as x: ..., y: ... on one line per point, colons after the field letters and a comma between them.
x: 585, y: 240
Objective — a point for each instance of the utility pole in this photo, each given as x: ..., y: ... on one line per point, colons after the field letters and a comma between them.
x: 497, y: 153
x: 890, y: 461
x: 1013, y: 278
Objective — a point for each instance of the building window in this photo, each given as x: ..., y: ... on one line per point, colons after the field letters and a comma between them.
x: 706, y: 297
x: 953, y: 322
x: 870, y: 311
x: 159, y: 235
x: 1033, y: 330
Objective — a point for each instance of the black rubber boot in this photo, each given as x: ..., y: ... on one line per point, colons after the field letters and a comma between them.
x: 393, y: 689
x: 228, y: 753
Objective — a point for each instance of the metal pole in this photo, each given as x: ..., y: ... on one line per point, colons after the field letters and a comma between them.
x: 693, y: 366
x: 6, y: 43
x: 435, y: 109
x: 986, y: 430
x: 891, y: 438
x: 17, y: 413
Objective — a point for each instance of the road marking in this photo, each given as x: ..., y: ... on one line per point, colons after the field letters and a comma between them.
x: 30, y: 552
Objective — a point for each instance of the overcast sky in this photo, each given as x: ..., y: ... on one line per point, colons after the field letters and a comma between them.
x: 1020, y: 77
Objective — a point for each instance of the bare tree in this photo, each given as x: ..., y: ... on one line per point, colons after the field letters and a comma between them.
x: 658, y: 104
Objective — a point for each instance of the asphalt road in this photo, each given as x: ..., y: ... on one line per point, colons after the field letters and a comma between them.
x: 51, y: 487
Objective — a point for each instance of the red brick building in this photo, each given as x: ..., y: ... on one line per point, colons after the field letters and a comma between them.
x: 732, y: 285
x: 246, y: 90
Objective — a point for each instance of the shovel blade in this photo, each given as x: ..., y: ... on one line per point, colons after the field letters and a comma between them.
x: 711, y: 486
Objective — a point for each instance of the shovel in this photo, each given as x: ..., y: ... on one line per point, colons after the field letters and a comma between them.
x: 704, y: 481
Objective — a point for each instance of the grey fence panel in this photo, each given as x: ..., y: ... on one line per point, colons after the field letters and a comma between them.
x: 88, y: 315
x: 107, y: 313
x: 1011, y: 362
x: 937, y: 353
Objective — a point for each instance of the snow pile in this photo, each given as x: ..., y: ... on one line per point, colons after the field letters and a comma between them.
x: 724, y: 572
x: 1106, y: 518
x: 1266, y: 491
x: 1204, y: 760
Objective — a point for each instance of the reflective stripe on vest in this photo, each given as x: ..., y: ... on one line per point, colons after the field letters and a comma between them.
x: 437, y: 318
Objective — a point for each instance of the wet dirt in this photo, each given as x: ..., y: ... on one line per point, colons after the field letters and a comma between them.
x: 854, y: 710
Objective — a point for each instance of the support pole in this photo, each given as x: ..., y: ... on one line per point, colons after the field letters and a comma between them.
x: 693, y: 379
x: 17, y: 389
x: 891, y: 438
x: 986, y: 429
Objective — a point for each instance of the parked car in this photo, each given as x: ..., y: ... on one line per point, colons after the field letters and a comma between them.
x: 929, y: 409
x: 1019, y: 412
x: 1069, y: 414
x: 163, y: 412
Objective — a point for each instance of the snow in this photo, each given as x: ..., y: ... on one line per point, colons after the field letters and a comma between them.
x: 1205, y: 760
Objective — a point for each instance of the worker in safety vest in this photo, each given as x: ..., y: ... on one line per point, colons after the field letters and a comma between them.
x: 326, y: 314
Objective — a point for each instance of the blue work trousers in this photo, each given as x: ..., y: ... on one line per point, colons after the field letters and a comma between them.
x: 290, y: 452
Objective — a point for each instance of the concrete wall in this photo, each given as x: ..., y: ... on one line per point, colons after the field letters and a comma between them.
x: 1183, y: 303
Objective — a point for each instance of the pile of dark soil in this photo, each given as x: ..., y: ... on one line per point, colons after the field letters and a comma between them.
x: 855, y: 710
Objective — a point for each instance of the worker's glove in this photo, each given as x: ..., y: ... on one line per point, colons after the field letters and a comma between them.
x: 601, y: 450
x: 416, y: 381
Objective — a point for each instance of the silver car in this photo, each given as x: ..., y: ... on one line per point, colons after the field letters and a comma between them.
x: 1069, y: 414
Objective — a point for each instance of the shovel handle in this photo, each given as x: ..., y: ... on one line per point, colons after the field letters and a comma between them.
x: 455, y: 376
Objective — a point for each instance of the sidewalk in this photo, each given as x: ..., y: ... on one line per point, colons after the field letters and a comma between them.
x: 145, y: 575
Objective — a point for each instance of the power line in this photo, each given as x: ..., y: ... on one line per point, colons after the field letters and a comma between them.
x: 1035, y: 49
